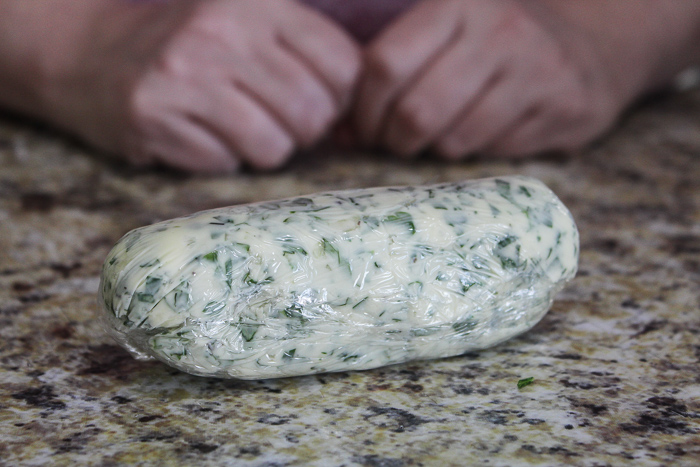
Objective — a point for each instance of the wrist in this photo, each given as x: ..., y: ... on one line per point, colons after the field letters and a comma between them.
x: 72, y: 76
x: 634, y: 46
x: 36, y: 56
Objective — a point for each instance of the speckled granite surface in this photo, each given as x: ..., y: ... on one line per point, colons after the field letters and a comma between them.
x: 616, y: 362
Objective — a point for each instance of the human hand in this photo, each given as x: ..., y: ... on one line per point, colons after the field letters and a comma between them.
x: 206, y: 86
x: 466, y: 76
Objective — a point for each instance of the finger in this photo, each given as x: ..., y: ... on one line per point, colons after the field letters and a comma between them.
x: 160, y: 127
x: 243, y: 125
x: 260, y: 139
x: 537, y: 133
x: 182, y: 142
x: 499, y: 108
x: 521, y: 140
x: 397, y: 56
x: 207, y: 92
x: 563, y: 120
x: 330, y: 53
x: 431, y: 104
x: 290, y: 92
x: 238, y: 120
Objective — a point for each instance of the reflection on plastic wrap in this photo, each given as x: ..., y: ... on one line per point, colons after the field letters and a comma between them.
x: 341, y: 281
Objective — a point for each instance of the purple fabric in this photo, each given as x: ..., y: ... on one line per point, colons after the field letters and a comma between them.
x: 362, y: 18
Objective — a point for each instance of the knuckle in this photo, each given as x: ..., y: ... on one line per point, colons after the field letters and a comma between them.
x: 268, y: 145
x: 577, y: 107
x: 138, y: 141
x: 515, y: 19
x: 569, y: 103
x: 273, y: 152
x: 313, y: 115
x: 172, y: 61
x: 380, y: 66
x: 209, y: 18
x: 414, y: 117
x: 141, y: 105
x: 348, y: 70
x: 249, y: 122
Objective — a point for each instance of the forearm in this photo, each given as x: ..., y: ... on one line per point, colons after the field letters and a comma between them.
x: 42, y: 43
x: 31, y: 47
x: 643, y: 44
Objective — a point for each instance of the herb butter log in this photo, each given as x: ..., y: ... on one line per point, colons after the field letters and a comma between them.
x: 344, y: 280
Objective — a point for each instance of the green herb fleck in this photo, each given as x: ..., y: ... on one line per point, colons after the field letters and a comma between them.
x: 503, y: 188
x: 421, y: 252
x: 404, y: 218
x: 243, y: 246
x: 289, y: 354
x: 152, y: 284
x: 507, y: 241
x: 293, y: 249
x: 421, y: 332
x: 301, y: 202
x: 360, y: 302
x: 464, y: 326
x: 294, y: 311
x: 131, y: 239
x: 228, y: 271
x: 213, y: 308
x: 547, y: 219
x: 213, y: 256
x: 250, y: 281
x: 508, y: 263
x: 525, y: 382
x: 145, y: 297
x: 371, y: 221
x: 466, y: 284
x: 179, y: 298
x: 333, y: 251
x: 509, y: 255
x: 248, y: 331
x: 224, y: 219
x: 329, y: 248
x: 525, y: 191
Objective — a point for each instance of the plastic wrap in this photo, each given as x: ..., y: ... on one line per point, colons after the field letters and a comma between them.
x: 339, y: 281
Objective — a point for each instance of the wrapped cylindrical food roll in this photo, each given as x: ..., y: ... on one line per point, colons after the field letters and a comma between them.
x: 344, y: 280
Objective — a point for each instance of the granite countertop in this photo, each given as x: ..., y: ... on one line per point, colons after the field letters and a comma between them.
x: 616, y: 363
